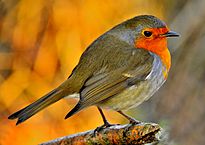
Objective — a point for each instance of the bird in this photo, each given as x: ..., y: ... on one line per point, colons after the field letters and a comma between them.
x: 121, y: 69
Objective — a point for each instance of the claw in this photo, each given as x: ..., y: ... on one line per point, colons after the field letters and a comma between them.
x: 134, y: 121
x: 104, y: 126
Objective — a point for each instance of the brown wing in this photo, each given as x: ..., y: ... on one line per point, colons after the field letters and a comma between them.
x: 103, y: 86
x: 108, y: 83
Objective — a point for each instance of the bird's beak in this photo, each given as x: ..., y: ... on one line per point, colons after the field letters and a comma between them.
x: 170, y: 34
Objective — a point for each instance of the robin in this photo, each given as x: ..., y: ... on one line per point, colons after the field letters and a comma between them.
x: 121, y: 69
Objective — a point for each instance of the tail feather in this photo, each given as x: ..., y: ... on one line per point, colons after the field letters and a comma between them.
x: 37, y: 106
x: 76, y: 109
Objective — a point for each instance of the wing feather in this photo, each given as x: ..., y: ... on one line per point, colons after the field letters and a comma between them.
x: 112, y: 84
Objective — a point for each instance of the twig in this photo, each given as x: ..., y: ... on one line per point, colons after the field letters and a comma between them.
x: 118, y: 134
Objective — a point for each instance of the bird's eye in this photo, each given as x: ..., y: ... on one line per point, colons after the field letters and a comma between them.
x: 147, y: 33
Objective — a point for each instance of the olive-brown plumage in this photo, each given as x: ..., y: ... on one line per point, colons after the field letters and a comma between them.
x: 119, y: 70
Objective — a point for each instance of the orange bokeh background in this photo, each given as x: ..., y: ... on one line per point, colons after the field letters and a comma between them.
x: 41, y: 42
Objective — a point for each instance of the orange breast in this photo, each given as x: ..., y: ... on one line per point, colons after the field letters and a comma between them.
x: 157, y: 45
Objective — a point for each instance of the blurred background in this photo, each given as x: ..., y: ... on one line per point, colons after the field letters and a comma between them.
x: 41, y: 42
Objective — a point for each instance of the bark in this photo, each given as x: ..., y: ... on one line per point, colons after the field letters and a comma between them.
x: 119, y: 134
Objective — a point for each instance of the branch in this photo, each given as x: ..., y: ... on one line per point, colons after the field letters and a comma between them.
x: 118, y: 134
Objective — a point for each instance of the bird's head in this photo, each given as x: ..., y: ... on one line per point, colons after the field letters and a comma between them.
x: 146, y: 32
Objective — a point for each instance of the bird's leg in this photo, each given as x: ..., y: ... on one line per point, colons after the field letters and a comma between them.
x: 132, y: 120
x: 106, y: 123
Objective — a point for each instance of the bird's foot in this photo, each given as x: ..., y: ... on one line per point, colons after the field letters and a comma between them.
x: 134, y: 121
x: 100, y: 128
